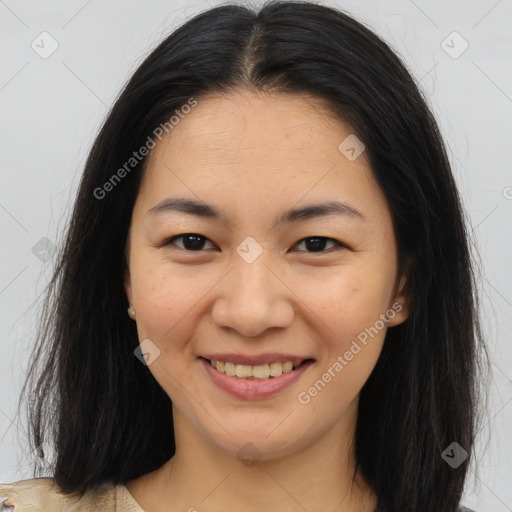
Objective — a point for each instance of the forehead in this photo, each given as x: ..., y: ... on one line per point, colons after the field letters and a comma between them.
x: 259, y: 149
x: 229, y: 122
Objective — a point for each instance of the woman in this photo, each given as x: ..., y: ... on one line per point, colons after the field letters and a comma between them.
x: 271, y: 199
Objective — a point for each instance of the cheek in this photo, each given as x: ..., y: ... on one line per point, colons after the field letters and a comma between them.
x: 349, y: 300
x: 164, y: 300
x: 165, y: 308
x: 352, y: 340
x: 349, y: 305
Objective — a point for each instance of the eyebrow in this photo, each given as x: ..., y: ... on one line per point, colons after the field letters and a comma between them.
x: 204, y: 210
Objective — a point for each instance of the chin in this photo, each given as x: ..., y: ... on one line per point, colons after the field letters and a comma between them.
x: 253, y: 444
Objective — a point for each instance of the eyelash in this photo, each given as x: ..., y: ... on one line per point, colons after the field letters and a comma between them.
x: 339, y: 245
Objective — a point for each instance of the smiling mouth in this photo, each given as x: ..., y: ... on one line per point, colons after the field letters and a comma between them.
x: 260, y: 372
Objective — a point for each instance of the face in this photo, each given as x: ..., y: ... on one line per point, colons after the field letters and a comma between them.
x: 254, y: 287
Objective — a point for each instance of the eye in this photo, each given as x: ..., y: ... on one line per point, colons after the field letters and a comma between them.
x: 195, y: 242
x: 317, y: 243
x: 191, y: 241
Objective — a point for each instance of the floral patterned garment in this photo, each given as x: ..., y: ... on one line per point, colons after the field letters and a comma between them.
x: 40, y: 494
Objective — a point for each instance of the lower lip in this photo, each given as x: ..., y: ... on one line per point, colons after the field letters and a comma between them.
x: 254, y: 389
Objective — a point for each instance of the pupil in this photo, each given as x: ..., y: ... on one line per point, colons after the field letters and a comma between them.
x: 317, y: 245
x: 197, y: 242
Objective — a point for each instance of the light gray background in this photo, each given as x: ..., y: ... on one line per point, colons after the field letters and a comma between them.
x: 51, y: 109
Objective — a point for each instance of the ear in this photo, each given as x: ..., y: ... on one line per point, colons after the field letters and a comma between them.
x: 128, y: 284
x: 127, y: 278
x: 400, y: 305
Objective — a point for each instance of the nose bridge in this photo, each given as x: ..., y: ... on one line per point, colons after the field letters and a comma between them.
x: 252, y: 275
x: 254, y: 299
x: 254, y: 284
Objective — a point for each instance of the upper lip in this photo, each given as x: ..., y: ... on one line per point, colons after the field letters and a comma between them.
x: 255, y: 360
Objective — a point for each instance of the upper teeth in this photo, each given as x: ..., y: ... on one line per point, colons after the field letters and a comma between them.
x: 244, y: 371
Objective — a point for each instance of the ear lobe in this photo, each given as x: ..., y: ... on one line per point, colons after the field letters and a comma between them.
x: 400, y: 305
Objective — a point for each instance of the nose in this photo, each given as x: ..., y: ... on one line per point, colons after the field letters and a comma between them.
x: 252, y: 298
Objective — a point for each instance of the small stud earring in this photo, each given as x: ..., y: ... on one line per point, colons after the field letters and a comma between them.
x: 131, y: 311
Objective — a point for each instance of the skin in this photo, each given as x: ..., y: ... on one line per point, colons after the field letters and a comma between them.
x: 253, y: 156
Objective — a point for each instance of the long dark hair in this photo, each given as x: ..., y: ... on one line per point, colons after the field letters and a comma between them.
x: 102, y: 411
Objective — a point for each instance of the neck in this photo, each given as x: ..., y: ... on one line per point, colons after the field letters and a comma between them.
x: 203, y: 476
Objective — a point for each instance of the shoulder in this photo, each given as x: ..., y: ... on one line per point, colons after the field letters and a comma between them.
x: 44, y: 494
